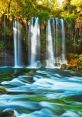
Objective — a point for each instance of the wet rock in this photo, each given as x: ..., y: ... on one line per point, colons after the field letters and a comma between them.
x: 7, y: 114
x: 26, y: 78
x: 64, y: 66
x: 3, y: 90
x: 42, y: 113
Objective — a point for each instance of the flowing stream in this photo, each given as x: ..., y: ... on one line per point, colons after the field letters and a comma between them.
x: 41, y: 92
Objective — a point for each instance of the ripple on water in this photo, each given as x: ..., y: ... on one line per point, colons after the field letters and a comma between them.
x: 46, y: 93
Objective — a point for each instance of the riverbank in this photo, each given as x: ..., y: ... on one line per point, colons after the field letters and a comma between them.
x: 74, y: 62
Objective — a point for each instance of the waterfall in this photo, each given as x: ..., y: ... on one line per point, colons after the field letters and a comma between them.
x: 50, y: 51
x: 55, y: 43
x: 17, y: 44
x: 34, y: 43
x: 63, y: 53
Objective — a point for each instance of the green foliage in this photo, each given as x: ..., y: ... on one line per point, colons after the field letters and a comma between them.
x: 2, y: 44
x: 76, y: 2
x: 70, y: 19
x: 43, y: 15
x: 27, y: 8
x: 5, y: 75
x: 7, y: 30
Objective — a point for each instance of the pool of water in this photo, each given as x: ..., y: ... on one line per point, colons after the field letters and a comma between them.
x: 41, y: 92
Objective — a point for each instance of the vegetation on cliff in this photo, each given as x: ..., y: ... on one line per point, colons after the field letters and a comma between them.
x: 23, y: 10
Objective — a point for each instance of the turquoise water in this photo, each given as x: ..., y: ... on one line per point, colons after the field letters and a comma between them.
x: 41, y: 92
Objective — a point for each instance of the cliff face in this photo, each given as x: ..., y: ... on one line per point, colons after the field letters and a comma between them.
x: 78, y: 26
x: 6, y: 58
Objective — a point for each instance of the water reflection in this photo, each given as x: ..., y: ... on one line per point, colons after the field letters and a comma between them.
x: 42, y: 93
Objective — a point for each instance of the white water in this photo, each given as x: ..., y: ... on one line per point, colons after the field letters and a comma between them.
x: 58, y: 58
x: 55, y: 48
x: 17, y: 44
x: 50, y: 51
x: 63, y: 54
x: 35, y: 42
x: 49, y: 93
x: 56, y: 54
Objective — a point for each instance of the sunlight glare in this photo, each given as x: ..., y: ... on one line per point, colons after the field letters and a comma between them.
x: 60, y: 2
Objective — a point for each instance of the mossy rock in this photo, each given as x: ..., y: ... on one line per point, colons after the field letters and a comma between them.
x: 7, y: 114
x: 64, y: 66
x: 3, y: 90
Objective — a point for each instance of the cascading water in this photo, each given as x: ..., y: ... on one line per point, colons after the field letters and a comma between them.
x: 50, y: 51
x: 34, y: 42
x: 17, y: 44
x: 55, y: 49
x: 63, y: 54
x: 55, y: 43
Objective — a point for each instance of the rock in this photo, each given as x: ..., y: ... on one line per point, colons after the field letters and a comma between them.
x: 26, y: 78
x: 7, y: 114
x: 64, y: 66
x: 3, y: 90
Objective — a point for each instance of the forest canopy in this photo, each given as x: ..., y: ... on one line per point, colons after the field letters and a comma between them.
x: 25, y: 9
